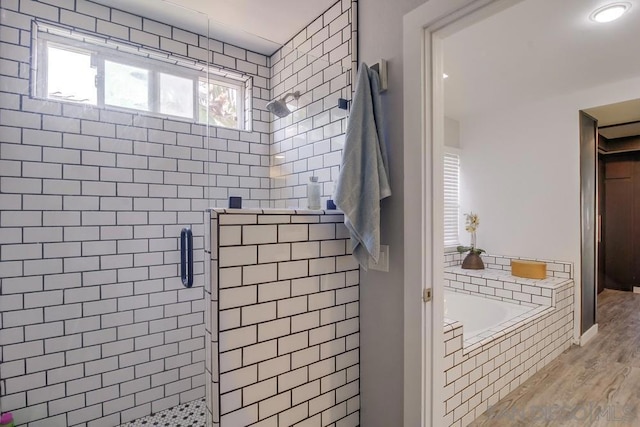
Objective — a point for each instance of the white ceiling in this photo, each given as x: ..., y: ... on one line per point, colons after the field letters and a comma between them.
x: 258, y: 25
x: 537, y: 49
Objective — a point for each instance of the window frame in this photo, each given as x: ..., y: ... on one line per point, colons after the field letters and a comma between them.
x: 135, y: 56
x: 451, y: 151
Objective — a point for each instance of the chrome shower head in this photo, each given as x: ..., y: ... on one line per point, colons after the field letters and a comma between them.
x: 279, y: 106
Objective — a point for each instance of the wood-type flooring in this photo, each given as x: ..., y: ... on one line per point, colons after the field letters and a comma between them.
x: 595, y: 385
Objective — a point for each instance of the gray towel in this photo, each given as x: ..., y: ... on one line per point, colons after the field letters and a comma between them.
x: 364, y: 179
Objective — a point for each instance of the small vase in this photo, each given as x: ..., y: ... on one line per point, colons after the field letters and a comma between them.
x: 473, y: 261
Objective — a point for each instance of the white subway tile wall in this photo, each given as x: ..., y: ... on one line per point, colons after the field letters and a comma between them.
x: 284, y: 335
x: 320, y: 62
x: 97, y: 328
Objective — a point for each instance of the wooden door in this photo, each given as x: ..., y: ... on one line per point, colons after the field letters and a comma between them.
x: 620, y: 221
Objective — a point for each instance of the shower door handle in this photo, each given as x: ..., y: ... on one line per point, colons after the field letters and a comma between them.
x: 186, y: 257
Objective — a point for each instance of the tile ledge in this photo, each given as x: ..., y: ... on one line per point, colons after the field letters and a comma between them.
x: 505, y: 276
x: 275, y: 211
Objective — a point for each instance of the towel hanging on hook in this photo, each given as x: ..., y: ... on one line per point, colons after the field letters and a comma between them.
x: 381, y: 68
x: 364, y: 173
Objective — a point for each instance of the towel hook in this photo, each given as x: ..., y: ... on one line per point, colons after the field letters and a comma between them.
x: 381, y: 68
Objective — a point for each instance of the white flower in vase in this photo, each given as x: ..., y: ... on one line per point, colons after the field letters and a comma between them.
x: 473, y: 260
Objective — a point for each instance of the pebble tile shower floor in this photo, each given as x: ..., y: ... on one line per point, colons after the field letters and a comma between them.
x: 190, y: 414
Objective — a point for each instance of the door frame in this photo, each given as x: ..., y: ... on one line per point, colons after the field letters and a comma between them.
x: 589, y: 212
x: 423, y: 109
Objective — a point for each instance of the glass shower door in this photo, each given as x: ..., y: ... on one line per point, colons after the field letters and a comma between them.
x: 103, y: 161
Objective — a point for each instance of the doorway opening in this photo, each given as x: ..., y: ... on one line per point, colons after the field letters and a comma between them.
x: 617, y: 196
x: 531, y: 174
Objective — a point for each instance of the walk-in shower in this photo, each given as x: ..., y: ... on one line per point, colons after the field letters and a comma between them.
x: 117, y: 133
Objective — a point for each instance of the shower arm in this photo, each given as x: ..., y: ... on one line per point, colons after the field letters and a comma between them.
x: 295, y: 95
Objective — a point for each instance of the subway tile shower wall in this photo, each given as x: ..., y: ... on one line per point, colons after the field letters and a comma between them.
x: 128, y: 148
x: 283, y: 320
x: 97, y: 328
x: 320, y: 62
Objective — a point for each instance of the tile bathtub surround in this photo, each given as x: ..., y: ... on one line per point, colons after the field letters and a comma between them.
x: 452, y: 259
x: 283, y: 322
x: 559, y: 269
x: 320, y: 62
x: 478, y: 376
x: 97, y: 328
x: 496, y: 284
x: 481, y: 370
x: 501, y: 285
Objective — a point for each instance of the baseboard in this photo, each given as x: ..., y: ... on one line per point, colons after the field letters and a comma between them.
x: 588, y: 336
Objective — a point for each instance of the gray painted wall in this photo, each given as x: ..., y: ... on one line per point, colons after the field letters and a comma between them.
x: 381, y: 298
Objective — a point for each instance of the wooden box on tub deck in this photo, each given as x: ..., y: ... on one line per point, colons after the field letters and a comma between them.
x: 529, y: 269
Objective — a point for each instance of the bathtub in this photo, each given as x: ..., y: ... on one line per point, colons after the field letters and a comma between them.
x: 498, y: 331
x: 478, y: 314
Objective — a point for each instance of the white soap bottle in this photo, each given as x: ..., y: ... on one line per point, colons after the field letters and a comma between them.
x: 313, y: 193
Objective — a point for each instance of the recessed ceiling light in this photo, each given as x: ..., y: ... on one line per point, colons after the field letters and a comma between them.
x: 445, y: 75
x: 610, y: 12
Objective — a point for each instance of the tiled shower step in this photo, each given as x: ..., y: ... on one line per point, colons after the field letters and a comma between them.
x: 190, y: 414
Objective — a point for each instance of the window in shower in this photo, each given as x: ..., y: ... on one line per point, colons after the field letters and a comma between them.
x: 71, y: 75
x: 176, y: 96
x: 451, y: 199
x: 113, y: 76
x: 222, y: 102
x: 126, y: 86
